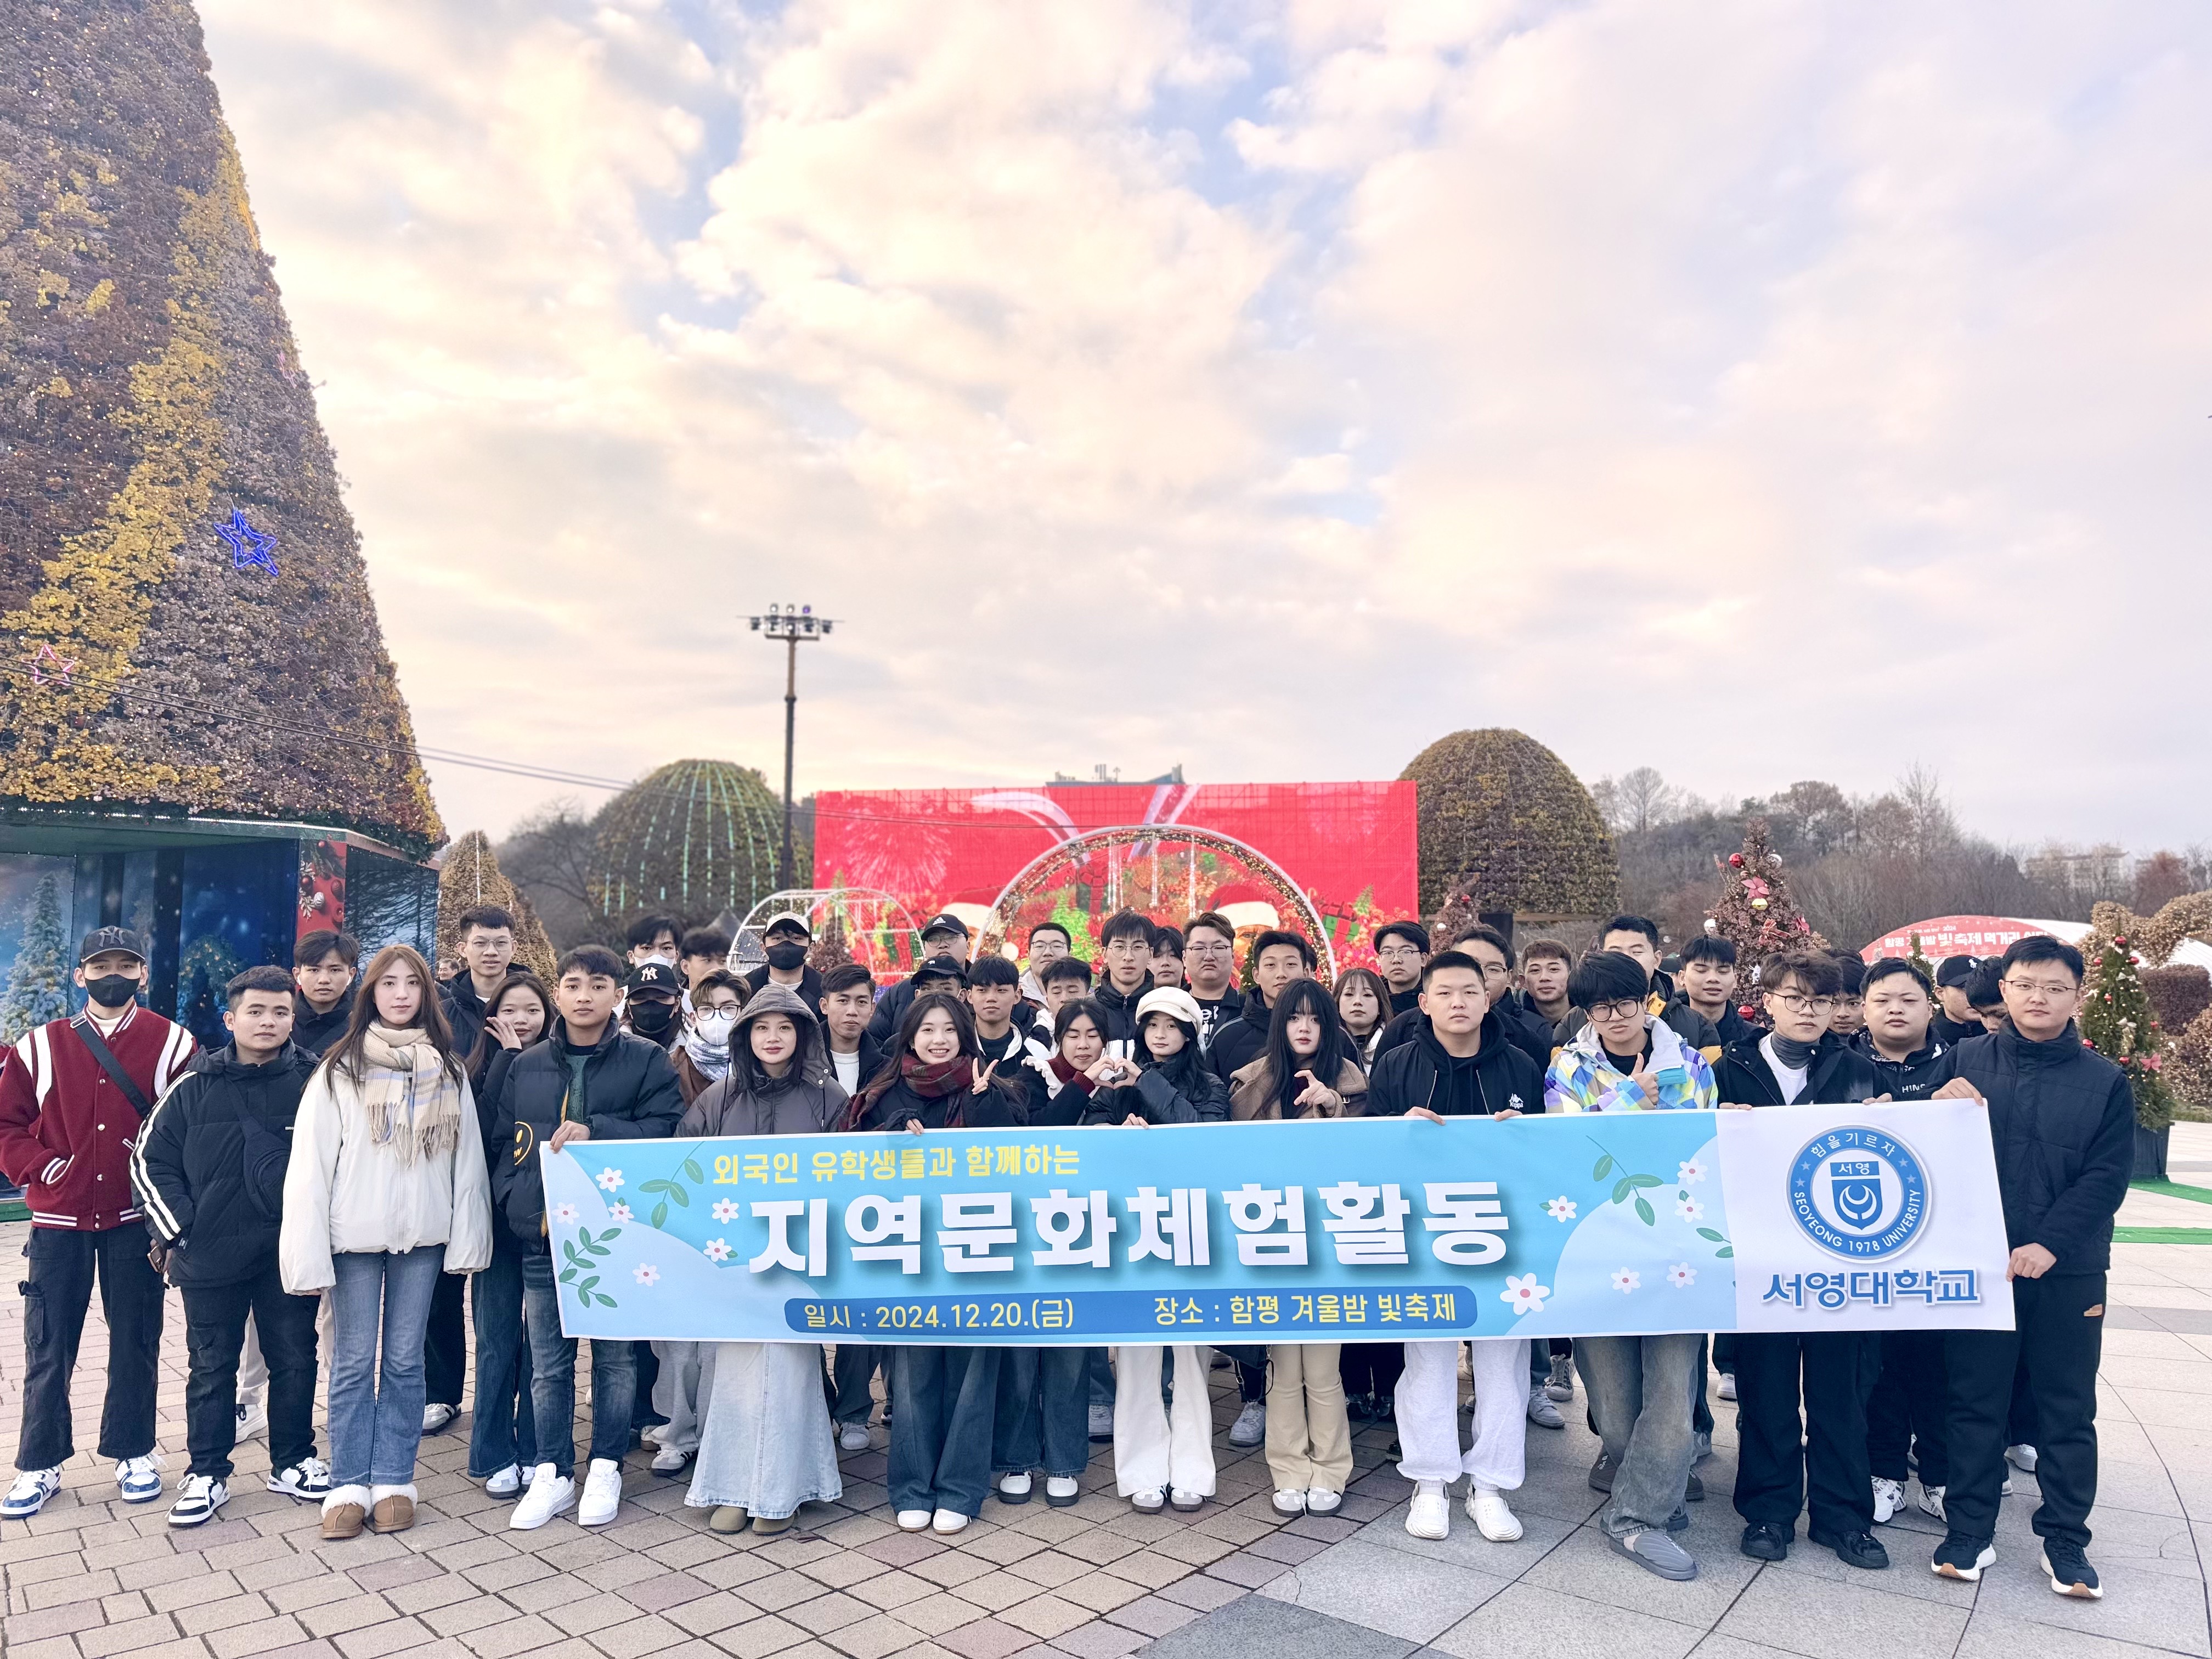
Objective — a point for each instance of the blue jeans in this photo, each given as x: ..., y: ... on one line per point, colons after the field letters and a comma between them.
x: 1099, y: 1370
x: 941, y: 1433
x: 504, y: 1428
x: 376, y: 1407
x: 1639, y: 1391
x: 1043, y: 1407
x: 553, y: 1380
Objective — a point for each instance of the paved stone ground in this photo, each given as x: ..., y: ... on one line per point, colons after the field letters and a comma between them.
x: 93, y: 1577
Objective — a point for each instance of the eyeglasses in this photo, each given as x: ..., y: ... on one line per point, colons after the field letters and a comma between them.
x: 1495, y: 971
x: 1797, y: 1005
x: 1399, y: 953
x: 2030, y: 988
x: 1194, y: 949
x: 1612, y: 1011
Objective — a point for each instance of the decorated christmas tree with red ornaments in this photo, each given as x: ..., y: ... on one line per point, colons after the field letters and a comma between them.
x: 1756, y: 912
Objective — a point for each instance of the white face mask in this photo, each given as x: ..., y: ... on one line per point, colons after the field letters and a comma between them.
x: 713, y: 1026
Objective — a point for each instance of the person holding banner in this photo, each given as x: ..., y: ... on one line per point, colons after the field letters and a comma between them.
x: 758, y: 1416
x: 2062, y: 1123
x: 1309, y: 1436
x: 1460, y: 1064
x: 940, y: 1460
x: 1818, y: 1463
x: 1625, y: 1058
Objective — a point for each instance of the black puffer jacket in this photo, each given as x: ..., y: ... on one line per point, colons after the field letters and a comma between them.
x: 2063, y: 1119
x: 1838, y: 1073
x: 464, y: 1010
x: 1916, y: 1077
x: 629, y: 1092
x: 1001, y: 1106
x: 1121, y: 1015
x: 1237, y: 1042
x: 1181, y: 1089
x: 316, y: 1032
x: 209, y: 1167
x: 1415, y: 1074
x: 1517, y: 1023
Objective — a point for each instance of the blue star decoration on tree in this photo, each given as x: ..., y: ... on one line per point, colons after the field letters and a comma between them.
x: 250, y: 549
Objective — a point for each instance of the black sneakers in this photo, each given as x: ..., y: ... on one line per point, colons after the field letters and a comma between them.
x: 1853, y: 1549
x: 1767, y: 1541
x: 2070, y: 1571
x: 1963, y: 1559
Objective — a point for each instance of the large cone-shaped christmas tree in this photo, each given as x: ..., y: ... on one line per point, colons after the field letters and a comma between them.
x: 185, y: 619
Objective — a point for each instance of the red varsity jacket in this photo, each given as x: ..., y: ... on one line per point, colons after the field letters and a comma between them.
x: 66, y: 1131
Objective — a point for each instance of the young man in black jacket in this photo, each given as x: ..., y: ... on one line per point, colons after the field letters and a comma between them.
x: 1124, y: 945
x: 1708, y: 984
x: 1955, y: 1019
x: 1460, y: 1064
x: 209, y: 1171
x: 1401, y: 950
x: 587, y: 1080
x: 486, y: 942
x: 1802, y: 1061
x: 1910, y: 1060
x: 2062, y: 1123
x: 785, y: 941
x: 1637, y: 939
x: 1492, y: 952
x: 1279, y: 956
x: 943, y: 935
x: 323, y: 964
x: 1209, y: 962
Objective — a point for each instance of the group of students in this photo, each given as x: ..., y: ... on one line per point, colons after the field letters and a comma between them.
x: 354, y: 1154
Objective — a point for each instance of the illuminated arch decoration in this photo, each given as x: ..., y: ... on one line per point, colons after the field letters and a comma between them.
x: 874, y: 927
x: 1161, y: 870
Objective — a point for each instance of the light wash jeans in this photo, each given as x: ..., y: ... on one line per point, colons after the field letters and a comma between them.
x: 376, y: 1406
x: 1639, y: 1391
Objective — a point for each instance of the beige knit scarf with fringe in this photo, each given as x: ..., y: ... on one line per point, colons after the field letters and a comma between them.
x: 414, y: 1103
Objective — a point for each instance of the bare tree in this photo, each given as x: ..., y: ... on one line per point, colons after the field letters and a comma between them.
x: 552, y: 855
x: 1646, y: 801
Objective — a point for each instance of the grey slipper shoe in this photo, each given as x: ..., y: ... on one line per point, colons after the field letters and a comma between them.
x: 1655, y: 1551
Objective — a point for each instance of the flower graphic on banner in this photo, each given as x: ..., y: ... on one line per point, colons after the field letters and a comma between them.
x: 1689, y: 1172
x: 725, y: 1210
x: 646, y: 1274
x: 1626, y: 1280
x: 1559, y: 1209
x: 1681, y: 1275
x: 1526, y: 1295
x: 565, y: 1214
x: 610, y: 1180
x: 617, y: 1212
x: 717, y: 1249
x: 1689, y: 1209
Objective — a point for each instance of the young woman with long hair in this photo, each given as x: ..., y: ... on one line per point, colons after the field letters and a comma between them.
x: 502, y: 1433
x: 1363, y: 1003
x: 385, y: 1189
x: 940, y: 1458
x: 1306, y: 1069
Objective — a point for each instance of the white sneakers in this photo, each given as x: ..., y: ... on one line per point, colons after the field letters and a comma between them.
x: 252, y: 1419
x: 948, y: 1521
x: 1931, y: 1502
x: 139, y: 1479
x: 198, y: 1499
x: 435, y: 1417
x: 1015, y: 1487
x: 29, y: 1494
x: 1430, y: 1514
x: 1060, y: 1491
x: 2021, y: 1457
x: 308, y: 1478
x: 1889, y: 1498
x: 668, y: 1460
x: 549, y: 1495
x: 602, y: 1494
x: 1487, y: 1509
x: 1542, y: 1412
x: 914, y: 1520
x: 1288, y: 1501
x: 853, y: 1436
x: 1321, y: 1501
x: 1250, y: 1427
x: 1150, y: 1500
x: 1726, y: 1389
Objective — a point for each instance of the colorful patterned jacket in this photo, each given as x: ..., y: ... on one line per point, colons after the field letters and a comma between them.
x: 1583, y: 1077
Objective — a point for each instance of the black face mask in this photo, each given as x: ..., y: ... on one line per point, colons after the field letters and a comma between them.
x: 112, y: 990
x: 785, y: 957
x: 651, y: 1019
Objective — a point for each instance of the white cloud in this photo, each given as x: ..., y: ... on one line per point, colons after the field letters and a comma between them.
x: 1148, y: 383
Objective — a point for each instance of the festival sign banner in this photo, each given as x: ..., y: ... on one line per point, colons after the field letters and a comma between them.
x: 1803, y: 1218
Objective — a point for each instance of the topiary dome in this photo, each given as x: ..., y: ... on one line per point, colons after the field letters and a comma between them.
x: 1507, y: 826
x: 698, y: 836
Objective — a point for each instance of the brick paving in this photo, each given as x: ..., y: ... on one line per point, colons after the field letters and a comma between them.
x: 92, y: 1576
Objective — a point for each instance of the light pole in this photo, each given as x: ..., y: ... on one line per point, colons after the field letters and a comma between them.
x: 793, y: 625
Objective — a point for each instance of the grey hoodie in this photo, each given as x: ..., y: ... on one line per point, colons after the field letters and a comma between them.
x: 747, y: 1101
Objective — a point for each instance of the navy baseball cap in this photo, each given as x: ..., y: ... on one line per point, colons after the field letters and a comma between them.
x: 102, y: 940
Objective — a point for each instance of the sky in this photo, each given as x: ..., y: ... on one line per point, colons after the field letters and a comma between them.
x: 1757, y: 393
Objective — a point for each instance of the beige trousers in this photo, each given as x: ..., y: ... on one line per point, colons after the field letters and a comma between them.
x: 1309, y: 1433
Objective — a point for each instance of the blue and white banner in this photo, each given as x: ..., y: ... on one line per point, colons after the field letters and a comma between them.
x: 1807, y: 1217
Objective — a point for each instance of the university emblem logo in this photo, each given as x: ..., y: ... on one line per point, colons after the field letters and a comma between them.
x: 1859, y: 1193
